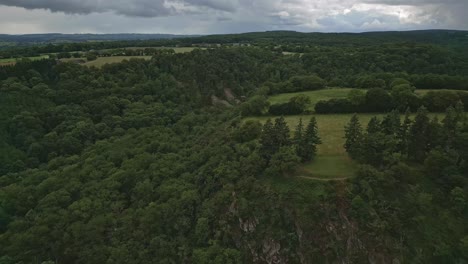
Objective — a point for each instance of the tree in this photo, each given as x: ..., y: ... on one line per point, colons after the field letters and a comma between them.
x: 311, y: 140
x: 374, y: 125
x: 403, y: 134
x: 268, y: 140
x: 391, y: 123
x: 357, y: 97
x: 281, y: 132
x: 256, y: 105
x: 418, y: 140
x: 299, y: 132
x: 378, y: 100
x: 301, y: 101
x: 298, y: 139
x: 283, y: 162
x: 91, y: 56
x: 353, y: 136
x: 248, y: 131
x: 454, y: 117
x: 404, y: 97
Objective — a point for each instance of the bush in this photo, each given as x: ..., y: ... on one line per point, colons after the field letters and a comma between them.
x: 337, y: 106
x: 91, y: 56
x: 296, y: 105
x: 298, y: 84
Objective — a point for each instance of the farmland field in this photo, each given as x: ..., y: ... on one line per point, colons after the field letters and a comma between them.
x: 101, y: 61
x: 176, y: 49
x: 12, y: 61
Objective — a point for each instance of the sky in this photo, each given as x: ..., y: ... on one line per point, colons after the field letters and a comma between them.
x: 228, y: 16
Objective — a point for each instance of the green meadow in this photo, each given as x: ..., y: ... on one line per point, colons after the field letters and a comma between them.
x: 12, y: 61
x: 315, y: 96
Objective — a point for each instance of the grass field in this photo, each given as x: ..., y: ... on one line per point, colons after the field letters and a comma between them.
x: 332, y: 161
x: 12, y: 61
x: 101, y: 61
x: 176, y: 49
x: 315, y: 96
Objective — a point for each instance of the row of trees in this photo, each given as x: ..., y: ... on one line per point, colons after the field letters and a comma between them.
x: 412, y: 181
x: 390, y: 140
x: 401, y: 97
x: 92, y: 55
x: 276, y: 136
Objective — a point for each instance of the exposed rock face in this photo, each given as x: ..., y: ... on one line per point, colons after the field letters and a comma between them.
x: 267, y: 250
x: 333, y: 238
x: 216, y: 101
x: 230, y: 96
x: 249, y: 225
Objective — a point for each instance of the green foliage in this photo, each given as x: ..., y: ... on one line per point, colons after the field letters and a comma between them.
x: 132, y: 163
x: 248, y: 131
x: 281, y: 132
x: 296, y: 105
x: 283, y: 162
x: 90, y: 56
x: 256, y: 105
x: 311, y: 140
x: 353, y: 136
x: 418, y: 140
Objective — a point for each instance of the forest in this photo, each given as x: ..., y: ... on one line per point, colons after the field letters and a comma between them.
x: 184, y: 158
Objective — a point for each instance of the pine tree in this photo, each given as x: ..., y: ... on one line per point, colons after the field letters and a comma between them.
x: 298, y: 133
x: 404, y: 132
x: 450, y: 125
x: 311, y: 140
x: 453, y: 122
x: 281, y: 132
x: 435, y: 134
x: 418, y: 135
x: 299, y: 140
x: 373, y: 126
x: 267, y: 141
x: 460, y: 110
x: 391, y: 123
x: 353, y: 136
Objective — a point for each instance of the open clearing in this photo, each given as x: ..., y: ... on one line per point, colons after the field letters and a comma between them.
x: 332, y: 161
x: 101, y: 61
x: 315, y: 96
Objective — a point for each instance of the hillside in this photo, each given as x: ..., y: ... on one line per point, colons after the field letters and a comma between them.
x: 214, y: 156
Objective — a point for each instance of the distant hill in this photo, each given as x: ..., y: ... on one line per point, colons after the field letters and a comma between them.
x: 443, y: 37
x: 30, y: 39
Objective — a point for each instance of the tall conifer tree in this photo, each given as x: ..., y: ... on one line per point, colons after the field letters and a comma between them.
x: 311, y: 140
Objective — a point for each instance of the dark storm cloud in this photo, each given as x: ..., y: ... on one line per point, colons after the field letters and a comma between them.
x: 131, y: 8
x: 415, y: 2
x: 137, y: 8
x: 228, y: 16
x: 356, y: 19
x: 223, y: 5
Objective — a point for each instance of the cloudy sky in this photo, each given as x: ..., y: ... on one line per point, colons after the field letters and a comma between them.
x: 228, y: 16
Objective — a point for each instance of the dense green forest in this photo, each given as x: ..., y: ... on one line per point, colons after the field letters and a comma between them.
x: 153, y: 161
